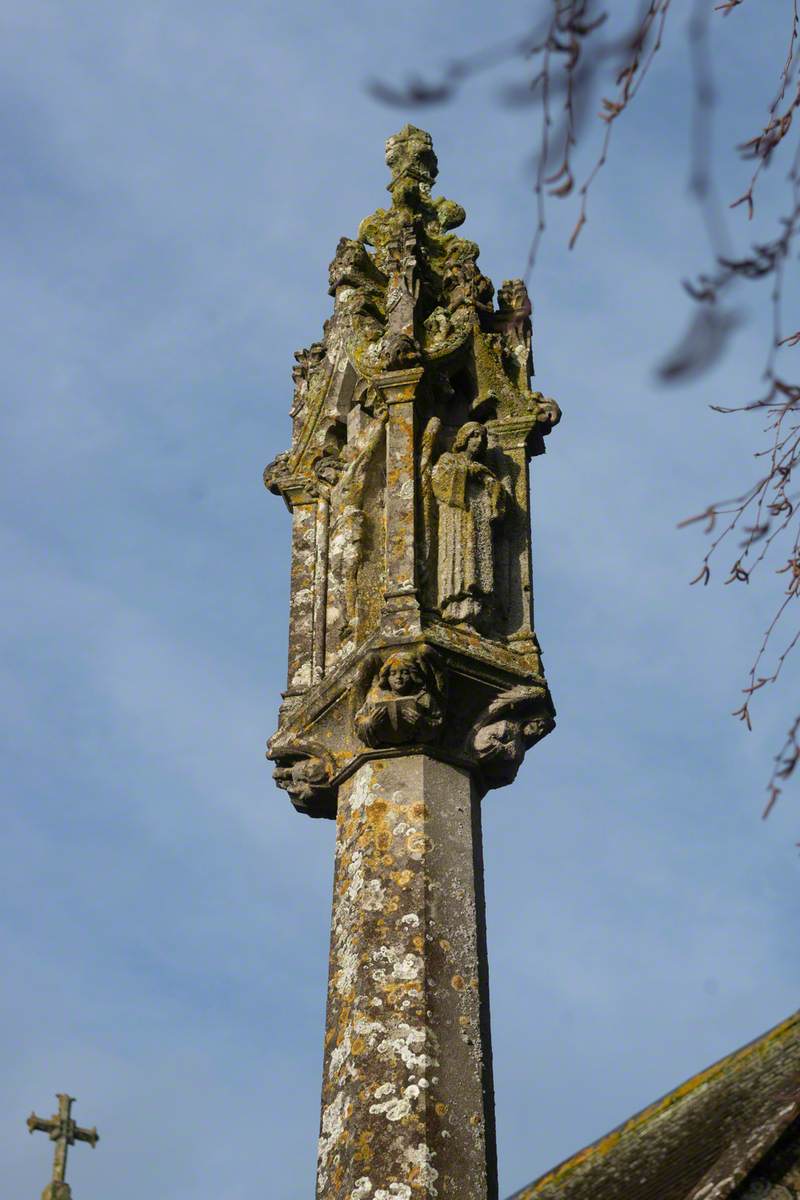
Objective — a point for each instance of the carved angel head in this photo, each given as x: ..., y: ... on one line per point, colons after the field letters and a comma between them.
x: 402, y: 674
x: 471, y: 439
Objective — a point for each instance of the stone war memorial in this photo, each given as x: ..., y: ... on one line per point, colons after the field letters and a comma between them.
x: 416, y: 686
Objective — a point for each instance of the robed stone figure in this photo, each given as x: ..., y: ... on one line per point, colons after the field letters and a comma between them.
x: 471, y: 501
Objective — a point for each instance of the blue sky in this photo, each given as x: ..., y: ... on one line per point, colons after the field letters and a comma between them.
x: 176, y: 177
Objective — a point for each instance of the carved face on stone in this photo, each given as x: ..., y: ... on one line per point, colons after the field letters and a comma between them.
x: 307, y: 775
x: 402, y: 675
x: 471, y: 440
x: 502, y: 740
x: 328, y: 469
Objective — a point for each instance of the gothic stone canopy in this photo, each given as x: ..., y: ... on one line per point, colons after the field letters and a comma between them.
x: 411, y: 622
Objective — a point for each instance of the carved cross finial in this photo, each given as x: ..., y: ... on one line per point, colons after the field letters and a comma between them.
x: 410, y: 155
x: 62, y: 1130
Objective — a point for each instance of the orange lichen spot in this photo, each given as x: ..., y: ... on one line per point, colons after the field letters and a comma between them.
x: 457, y: 982
x: 441, y: 1109
x: 363, y: 1152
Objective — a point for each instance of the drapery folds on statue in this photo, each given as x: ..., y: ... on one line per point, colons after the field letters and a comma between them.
x: 415, y: 676
x: 472, y: 501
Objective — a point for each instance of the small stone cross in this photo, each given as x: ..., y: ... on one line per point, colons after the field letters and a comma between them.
x: 64, y: 1132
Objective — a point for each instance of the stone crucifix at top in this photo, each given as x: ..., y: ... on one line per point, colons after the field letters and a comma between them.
x: 415, y: 676
x: 63, y: 1131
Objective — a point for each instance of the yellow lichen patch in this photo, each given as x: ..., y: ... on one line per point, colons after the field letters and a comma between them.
x: 363, y: 1150
x: 441, y: 1109
x: 343, y: 1023
x: 457, y: 982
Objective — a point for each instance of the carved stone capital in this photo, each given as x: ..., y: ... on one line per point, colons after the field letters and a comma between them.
x: 400, y: 385
x: 448, y: 695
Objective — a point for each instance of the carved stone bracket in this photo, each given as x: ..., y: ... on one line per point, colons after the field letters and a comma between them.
x: 511, y: 724
x: 305, y: 773
x: 403, y: 698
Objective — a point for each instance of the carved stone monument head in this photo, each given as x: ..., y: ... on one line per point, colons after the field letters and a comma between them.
x: 407, y: 478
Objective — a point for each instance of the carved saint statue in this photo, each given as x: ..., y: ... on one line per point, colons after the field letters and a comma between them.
x: 405, y: 701
x: 342, y: 478
x: 471, y: 500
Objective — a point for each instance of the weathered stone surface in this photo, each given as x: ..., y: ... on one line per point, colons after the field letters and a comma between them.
x: 415, y: 676
x: 407, y: 477
x: 405, y: 701
x: 407, y: 1090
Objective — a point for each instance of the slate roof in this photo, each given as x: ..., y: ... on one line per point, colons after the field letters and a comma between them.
x: 699, y: 1141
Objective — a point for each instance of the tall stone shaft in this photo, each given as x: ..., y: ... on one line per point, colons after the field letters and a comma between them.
x: 415, y: 677
x: 407, y: 1087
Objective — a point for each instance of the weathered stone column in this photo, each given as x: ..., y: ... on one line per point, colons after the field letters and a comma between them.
x: 416, y: 681
x: 407, y: 1103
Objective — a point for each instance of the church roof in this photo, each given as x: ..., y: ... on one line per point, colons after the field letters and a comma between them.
x: 699, y: 1141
